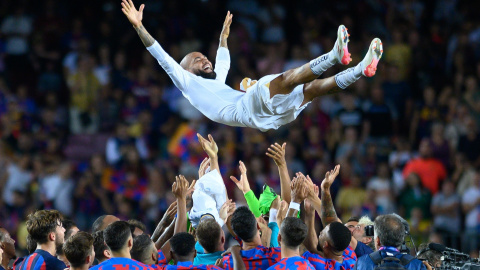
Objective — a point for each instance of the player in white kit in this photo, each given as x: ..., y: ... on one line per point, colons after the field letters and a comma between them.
x: 270, y: 102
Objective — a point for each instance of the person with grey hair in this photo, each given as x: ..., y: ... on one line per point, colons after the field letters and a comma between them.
x: 389, y: 234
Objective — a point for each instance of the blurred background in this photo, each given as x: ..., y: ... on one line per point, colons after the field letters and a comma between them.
x: 90, y: 124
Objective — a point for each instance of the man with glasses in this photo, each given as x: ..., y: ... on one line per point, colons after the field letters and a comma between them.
x: 45, y: 228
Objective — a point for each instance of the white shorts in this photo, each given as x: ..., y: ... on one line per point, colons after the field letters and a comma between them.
x: 263, y: 112
x: 208, y: 197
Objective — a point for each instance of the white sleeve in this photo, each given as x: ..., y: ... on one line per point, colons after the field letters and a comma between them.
x: 222, y: 64
x: 179, y: 76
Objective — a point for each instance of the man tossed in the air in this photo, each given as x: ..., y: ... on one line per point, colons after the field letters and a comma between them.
x: 270, y: 102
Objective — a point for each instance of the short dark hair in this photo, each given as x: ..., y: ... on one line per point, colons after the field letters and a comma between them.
x: 182, y: 244
x: 390, y: 230
x: 77, y: 248
x: 31, y: 244
x: 141, y: 248
x: 244, y: 223
x: 355, y: 219
x: 98, y: 223
x: 117, y: 234
x: 41, y: 223
x: 68, y: 224
x: 340, y: 236
x: 137, y: 224
x: 208, y: 234
x: 99, y: 245
x: 432, y: 256
x: 293, y: 232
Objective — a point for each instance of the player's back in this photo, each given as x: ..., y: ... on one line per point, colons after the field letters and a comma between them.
x: 122, y: 264
x: 190, y: 266
x: 40, y: 259
x: 259, y: 258
x: 349, y: 260
x: 293, y: 263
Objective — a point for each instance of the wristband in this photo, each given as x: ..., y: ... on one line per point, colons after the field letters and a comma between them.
x: 294, y: 205
x: 273, y: 215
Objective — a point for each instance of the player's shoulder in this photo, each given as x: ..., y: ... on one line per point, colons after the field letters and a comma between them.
x: 349, y: 253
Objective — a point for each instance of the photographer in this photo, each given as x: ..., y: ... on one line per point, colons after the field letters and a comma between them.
x: 362, y: 230
x: 389, y: 237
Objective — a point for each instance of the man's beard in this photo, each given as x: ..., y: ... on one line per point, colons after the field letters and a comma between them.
x: 206, y: 75
x: 319, y: 247
x: 58, y: 244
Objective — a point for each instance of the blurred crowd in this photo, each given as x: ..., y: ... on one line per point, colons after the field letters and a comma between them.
x: 91, y: 125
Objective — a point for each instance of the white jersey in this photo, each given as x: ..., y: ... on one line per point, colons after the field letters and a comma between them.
x: 223, y: 104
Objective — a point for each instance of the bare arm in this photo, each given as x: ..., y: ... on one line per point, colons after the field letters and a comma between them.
x: 277, y: 153
x: 135, y: 17
x: 327, y: 213
x: 167, y: 219
x: 166, y: 235
x: 311, y: 241
x: 299, y: 193
x: 179, y: 189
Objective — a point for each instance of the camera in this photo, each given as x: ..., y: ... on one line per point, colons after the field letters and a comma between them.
x: 369, y: 230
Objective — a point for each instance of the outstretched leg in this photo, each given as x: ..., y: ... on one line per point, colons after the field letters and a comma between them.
x: 287, y: 81
x: 342, y: 80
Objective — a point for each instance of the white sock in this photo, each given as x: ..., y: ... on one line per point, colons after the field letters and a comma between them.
x: 322, y: 63
x: 349, y: 76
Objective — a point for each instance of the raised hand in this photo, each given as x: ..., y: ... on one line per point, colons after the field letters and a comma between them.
x: 276, y: 203
x: 170, y: 214
x: 203, y: 167
x: 299, y: 189
x: 226, y: 25
x: 180, y: 187
x: 277, y: 153
x: 133, y: 15
x: 209, y: 146
x: 309, y: 210
x: 330, y: 177
x: 242, y: 184
x: 225, y: 210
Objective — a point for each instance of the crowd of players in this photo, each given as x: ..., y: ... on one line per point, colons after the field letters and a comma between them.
x: 283, y: 238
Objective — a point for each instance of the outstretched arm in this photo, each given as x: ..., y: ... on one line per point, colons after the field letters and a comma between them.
x: 135, y: 17
x: 222, y: 61
x: 225, y: 30
x: 277, y: 153
x: 179, y: 76
x: 179, y: 189
x: 328, y: 214
x: 311, y: 241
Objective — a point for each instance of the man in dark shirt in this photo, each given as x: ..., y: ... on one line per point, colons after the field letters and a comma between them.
x: 45, y: 228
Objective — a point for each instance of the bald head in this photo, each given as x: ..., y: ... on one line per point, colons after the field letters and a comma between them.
x: 102, y: 222
x: 198, y: 64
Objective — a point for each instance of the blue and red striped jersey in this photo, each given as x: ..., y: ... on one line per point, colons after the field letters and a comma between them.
x: 40, y: 260
x: 259, y: 258
x: 293, y: 263
x: 124, y: 264
x: 349, y: 260
x: 161, y: 258
x: 190, y: 266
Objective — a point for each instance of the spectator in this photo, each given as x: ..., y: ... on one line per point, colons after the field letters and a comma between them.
x: 415, y: 195
x: 446, y: 213
x: 117, y: 145
x: 430, y: 170
x: 471, y: 209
